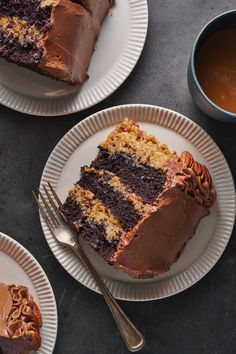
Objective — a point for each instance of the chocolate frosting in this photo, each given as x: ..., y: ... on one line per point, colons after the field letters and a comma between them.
x: 195, y: 180
x: 96, y: 8
x: 158, y: 240
x: 155, y: 243
x: 191, y: 177
x: 5, y: 308
x: 69, y: 44
x: 20, y: 320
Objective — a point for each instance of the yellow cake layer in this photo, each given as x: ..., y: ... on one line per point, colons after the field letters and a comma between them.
x: 130, y: 139
x: 96, y: 212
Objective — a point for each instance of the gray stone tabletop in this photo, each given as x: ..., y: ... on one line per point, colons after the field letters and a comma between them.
x: 202, y: 319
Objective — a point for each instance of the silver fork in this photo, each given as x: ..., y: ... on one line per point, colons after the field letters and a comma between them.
x: 56, y: 222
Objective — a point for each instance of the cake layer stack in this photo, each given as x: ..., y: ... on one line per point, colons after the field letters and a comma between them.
x: 138, y: 203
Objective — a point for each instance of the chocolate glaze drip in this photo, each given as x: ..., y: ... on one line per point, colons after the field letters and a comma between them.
x: 115, y: 201
x: 145, y: 181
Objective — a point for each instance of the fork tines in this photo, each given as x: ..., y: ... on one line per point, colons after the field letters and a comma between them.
x: 49, y: 205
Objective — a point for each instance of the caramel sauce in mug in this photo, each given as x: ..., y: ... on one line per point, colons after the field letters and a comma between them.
x: 216, y: 68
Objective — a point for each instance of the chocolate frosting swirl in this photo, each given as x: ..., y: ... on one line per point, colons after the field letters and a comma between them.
x: 194, y: 179
x: 24, y: 318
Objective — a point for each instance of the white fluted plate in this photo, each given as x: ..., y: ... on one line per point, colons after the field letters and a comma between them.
x: 117, y: 50
x: 79, y: 147
x: 18, y: 266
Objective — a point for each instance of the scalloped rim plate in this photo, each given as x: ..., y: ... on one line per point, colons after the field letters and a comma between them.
x: 23, y: 269
x: 78, y: 147
x: 117, y: 51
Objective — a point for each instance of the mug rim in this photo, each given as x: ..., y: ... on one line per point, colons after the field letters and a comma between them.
x: 193, y: 54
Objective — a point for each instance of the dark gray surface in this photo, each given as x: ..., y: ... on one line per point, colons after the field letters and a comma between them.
x: 199, y: 320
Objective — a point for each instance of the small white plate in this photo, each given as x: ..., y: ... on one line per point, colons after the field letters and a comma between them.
x: 118, y: 48
x: 18, y: 266
x: 79, y: 147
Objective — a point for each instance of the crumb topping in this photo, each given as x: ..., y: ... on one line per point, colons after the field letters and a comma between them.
x: 130, y: 139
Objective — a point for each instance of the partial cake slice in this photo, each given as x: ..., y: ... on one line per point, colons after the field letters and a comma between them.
x: 53, y: 37
x: 139, y: 203
x: 20, y: 320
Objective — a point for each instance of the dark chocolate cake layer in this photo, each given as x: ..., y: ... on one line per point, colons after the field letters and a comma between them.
x: 95, y: 235
x: 90, y: 230
x: 119, y: 206
x: 144, y: 180
x: 13, y: 50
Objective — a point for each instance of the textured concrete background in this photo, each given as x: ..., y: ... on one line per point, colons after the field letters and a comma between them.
x: 199, y: 320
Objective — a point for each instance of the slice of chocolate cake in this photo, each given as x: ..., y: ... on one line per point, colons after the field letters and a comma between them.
x: 53, y: 37
x: 139, y: 203
x: 20, y: 320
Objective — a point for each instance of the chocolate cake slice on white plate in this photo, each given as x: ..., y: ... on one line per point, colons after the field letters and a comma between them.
x: 138, y: 203
x: 53, y: 37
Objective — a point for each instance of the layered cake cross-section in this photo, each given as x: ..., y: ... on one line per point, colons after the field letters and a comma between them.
x: 20, y: 320
x: 53, y: 37
x: 138, y: 203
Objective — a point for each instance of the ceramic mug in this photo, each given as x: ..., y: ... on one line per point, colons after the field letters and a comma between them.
x: 203, y: 102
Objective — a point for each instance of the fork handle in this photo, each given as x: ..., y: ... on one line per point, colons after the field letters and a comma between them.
x: 133, y: 339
